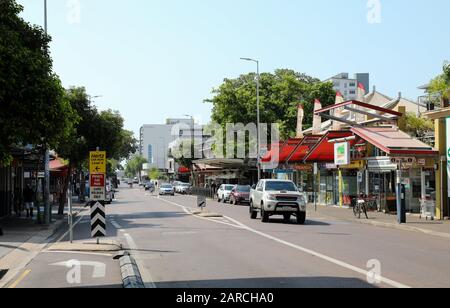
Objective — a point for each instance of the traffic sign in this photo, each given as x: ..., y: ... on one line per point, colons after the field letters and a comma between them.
x: 97, y: 162
x: 97, y: 187
x: 98, y: 220
x: 97, y: 180
x: 97, y: 194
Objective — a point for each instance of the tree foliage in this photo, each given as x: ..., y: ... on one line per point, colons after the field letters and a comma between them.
x: 33, y: 108
x: 440, y: 85
x: 235, y: 100
x: 418, y: 126
x: 95, y: 129
x: 134, y: 166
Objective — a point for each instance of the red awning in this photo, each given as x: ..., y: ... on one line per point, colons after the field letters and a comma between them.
x: 393, y: 141
x: 57, y: 165
x: 274, y: 148
x: 303, y: 149
x: 323, y: 151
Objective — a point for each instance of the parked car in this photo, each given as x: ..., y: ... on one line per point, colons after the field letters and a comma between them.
x: 277, y: 197
x: 224, y: 192
x: 183, y: 188
x: 167, y: 189
x: 240, y: 194
x: 135, y: 181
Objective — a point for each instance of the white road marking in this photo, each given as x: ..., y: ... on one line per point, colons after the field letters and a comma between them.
x: 146, y: 276
x: 300, y: 248
x: 76, y: 223
x: 186, y: 210
x: 116, y: 225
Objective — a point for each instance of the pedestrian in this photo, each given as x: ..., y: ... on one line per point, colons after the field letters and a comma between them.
x: 28, y: 194
x: 213, y: 188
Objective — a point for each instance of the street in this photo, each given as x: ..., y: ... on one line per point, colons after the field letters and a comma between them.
x: 175, y: 249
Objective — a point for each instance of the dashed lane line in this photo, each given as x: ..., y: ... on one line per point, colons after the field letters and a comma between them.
x: 337, y: 262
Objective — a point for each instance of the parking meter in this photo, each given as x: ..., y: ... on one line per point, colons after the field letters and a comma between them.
x: 401, y: 204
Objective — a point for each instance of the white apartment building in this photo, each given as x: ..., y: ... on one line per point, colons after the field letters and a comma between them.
x: 349, y: 86
x: 156, y: 141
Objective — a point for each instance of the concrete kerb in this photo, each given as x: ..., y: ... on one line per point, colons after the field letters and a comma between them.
x: 131, y: 276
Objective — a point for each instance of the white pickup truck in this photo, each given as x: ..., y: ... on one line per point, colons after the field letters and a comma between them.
x: 277, y: 197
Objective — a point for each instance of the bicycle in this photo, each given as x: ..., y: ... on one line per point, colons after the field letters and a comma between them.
x: 359, y: 208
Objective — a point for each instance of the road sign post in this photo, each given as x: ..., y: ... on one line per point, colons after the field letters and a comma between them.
x: 97, y: 181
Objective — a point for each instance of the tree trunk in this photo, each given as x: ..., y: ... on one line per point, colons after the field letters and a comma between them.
x: 62, y: 201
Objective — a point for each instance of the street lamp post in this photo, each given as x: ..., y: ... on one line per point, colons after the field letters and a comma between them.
x: 192, y: 134
x: 257, y: 114
x: 47, y: 207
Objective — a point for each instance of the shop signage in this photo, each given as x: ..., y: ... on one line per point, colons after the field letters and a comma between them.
x: 342, y: 153
x: 282, y: 171
x: 358, y: 164
x: 329, y: 166
x: 303, y: 167
x: 381, y: 164
x: 422, y: 162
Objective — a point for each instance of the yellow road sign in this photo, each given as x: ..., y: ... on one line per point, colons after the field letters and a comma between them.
x: 97, y: 162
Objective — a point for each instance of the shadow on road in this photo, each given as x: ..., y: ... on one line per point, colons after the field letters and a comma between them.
x: 294, y: 282
x: 293, y: 222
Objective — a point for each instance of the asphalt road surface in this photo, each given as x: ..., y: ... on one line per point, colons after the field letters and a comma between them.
x: 175, y: 249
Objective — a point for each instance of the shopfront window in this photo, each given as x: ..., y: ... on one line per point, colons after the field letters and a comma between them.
x: 349, y: 186
x: 328, y: 187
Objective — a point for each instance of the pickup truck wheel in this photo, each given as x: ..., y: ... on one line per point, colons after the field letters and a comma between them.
x: 301, y: 218
x: 264, y: 215
x: 253, y: 213
x: 287, y: 217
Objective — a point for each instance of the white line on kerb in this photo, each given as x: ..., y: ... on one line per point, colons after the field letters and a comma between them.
x: 146, y: 276
x: 297, y: 247
x: 116, y: 225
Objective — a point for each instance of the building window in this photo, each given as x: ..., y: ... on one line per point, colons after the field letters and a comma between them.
x: 352, y: 92
x: 352, y: 84
x: 150, y: 154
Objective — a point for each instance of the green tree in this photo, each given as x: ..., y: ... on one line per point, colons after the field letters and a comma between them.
x: 33, y: 108
x: 154, y: 174
x: 134, y: 166
x: 235, y: 100
x: 440, y: 86
x: 104, y: 130
x: 418, y: 126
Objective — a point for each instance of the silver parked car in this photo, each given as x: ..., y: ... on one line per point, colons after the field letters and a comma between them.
x: 167, y: 189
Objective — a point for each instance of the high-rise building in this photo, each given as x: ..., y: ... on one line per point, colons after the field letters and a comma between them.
x: 349, y: 86
x: 156, y: 141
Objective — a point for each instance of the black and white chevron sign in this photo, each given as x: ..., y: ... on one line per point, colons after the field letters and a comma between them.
x: 98, y: 220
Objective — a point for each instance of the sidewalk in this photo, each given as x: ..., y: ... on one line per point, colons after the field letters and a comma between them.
x: 23, y: 239
x: 414, y: 223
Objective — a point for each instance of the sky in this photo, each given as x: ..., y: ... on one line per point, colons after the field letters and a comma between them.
x: 158, y: 59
